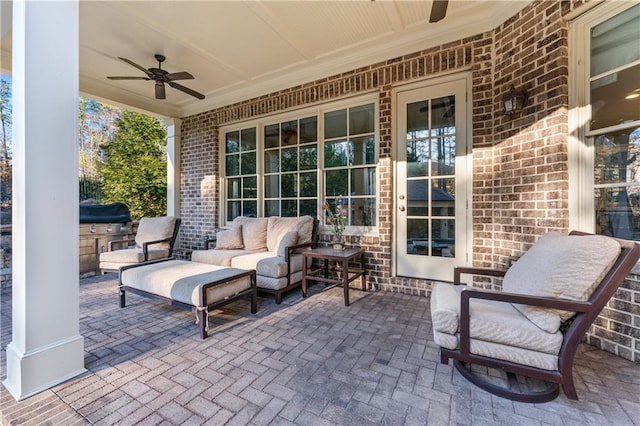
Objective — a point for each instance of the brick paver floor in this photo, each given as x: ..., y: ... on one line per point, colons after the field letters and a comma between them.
x: 305, y: 362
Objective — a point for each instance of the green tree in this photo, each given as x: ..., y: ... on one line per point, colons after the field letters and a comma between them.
x: 5, y: 151
x: 135, y: 165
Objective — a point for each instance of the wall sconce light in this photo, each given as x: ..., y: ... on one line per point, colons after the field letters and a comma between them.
x: 514, y: 101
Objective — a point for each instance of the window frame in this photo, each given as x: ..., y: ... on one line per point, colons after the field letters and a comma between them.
x: 318, y: 111
x: 581, y: 139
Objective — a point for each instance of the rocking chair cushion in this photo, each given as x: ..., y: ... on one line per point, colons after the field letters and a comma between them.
x: 560, y: 266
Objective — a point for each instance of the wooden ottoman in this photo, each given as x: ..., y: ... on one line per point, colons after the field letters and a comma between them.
x: 188, y: 285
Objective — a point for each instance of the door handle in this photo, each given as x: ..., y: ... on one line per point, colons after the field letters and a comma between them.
x: 401, y: 208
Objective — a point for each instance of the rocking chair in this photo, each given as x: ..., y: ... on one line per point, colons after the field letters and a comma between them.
x: 532, y: 329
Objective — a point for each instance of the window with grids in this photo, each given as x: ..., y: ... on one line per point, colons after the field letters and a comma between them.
x: 241, y: 173
x: 290, y: 167
x: 350, y: 162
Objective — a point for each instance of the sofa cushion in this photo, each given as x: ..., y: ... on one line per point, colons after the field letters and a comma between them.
x: 230, y: 239
x: 286, y: 240
x: 267, y: 264
x: 560, y: 266
x: 217, y: 257
x: 155, y: 229
x: 254, y: 232
x: 132, y: 255
x: 278, y: 226
x: 277, y: 283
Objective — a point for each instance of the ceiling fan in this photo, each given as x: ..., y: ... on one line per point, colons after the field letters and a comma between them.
x: 438, y: 10
x: 161, y: 77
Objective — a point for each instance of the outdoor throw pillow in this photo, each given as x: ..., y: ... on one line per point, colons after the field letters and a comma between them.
x: 231, y: 239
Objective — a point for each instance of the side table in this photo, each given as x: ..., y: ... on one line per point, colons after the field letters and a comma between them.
x: 342, y: 257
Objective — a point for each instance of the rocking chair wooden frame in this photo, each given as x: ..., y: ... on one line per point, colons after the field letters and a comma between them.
x: 586, y: 313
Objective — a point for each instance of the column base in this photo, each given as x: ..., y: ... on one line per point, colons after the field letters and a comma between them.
x: 29, y: 373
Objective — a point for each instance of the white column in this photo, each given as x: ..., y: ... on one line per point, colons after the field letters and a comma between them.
x: 173, y: 166
x: 46, y: 346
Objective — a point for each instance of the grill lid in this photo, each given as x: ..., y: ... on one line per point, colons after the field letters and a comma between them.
x: 104, y: 213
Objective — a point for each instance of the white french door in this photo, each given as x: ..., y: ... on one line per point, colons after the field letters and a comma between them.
x: 432, y: 180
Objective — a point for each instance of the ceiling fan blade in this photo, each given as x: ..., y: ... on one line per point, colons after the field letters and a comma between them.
x: 160, y: 93
x: 133, y: 64
x: 128, y: 78
x: 186, y: 90
x: 179, y: 76
x: 438, y: 10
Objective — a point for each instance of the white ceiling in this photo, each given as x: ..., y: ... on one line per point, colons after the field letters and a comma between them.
x: 240, y: 49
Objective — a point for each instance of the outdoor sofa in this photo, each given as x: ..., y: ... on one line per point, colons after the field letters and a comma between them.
x: 270, y: 245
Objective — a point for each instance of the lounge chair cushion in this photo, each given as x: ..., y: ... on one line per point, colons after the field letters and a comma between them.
x: 254, y: 232
x: 560, y: 266
x: 230, y: 239
x: 132, y: 255
x: 218, y: 257
x: 155, y: 229
x: 491, y: 321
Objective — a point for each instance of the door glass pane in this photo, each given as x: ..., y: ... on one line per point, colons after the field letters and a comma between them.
x: 443, y: 116
x: 417, y: 158
x: 361, y: 119
x: 272, y: 186
x: 617, y: 158
x: 443, y: 202
x: 363, y: 211
x: 363, y: 181
x: 443, y: 237
x: 250, y: 187
x: 417, y: 197
x: 418, y: 236
x: 363, y: 151
x: 614, y: 43
x: 335, y: 124
x: 336, y: 153
x: 336, y: 182
x: 443, y: 156
x: 272, y: 161
x: 417, y: 120
x: 272, y: 208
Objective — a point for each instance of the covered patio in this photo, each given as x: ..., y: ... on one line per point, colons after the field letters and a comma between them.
x: 385, y: 103
x: 306, y: 362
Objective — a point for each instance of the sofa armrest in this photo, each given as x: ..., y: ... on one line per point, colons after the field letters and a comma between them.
x: 459, y: 270
x: 209, y: 241
x: 291, y: 249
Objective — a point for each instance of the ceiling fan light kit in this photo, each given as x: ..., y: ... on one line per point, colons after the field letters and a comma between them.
x: 160, y: 77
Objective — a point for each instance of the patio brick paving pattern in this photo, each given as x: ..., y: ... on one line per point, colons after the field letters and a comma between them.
x: 307, y: 361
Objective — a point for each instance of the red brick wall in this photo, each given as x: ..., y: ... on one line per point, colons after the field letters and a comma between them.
x: 520, y: 164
